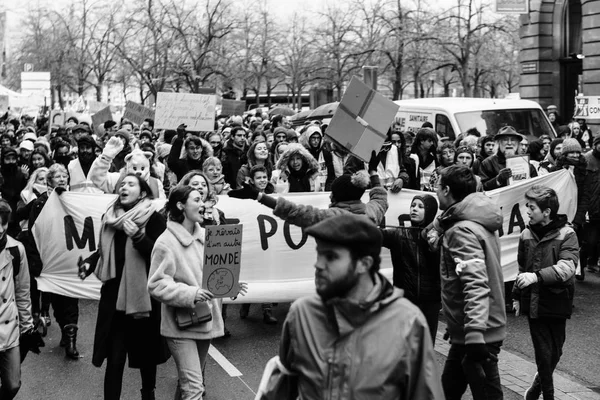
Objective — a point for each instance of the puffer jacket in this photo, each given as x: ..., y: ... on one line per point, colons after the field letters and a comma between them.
x: 472, y: 288
x: 331, y: 347
x: 591, y: 186
x: 553, y: 258
x: 15, y: 309
x: 307, y: 176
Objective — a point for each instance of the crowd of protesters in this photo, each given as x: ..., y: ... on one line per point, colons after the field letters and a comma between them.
x: 145, y: 255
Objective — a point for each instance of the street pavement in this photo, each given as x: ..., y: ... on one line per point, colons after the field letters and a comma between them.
x: 241, y: 358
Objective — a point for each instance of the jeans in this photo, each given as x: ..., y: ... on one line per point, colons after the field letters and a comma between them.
x: 190, y: 359
x: 482, y: 377
x: 10, y: 373
x: 548, y: 336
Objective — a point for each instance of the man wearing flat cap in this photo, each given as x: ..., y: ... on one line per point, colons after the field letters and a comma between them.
x: 493, y: 171
x: 357, y: 337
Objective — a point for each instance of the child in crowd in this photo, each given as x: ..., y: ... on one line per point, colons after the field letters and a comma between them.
x: 259, y: 179
x: 416, y: 267
x: 213, y: 169
x: 547, y: 256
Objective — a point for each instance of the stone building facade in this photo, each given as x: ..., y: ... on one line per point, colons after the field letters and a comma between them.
x: 560, y: 54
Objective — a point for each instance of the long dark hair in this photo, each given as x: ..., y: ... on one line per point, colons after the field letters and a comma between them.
x: 144, y: 187
x: 178, y: 194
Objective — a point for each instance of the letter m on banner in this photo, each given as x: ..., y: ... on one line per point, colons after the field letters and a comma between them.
x: 87, y: 236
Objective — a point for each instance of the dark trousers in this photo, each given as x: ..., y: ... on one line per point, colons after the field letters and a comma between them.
x: 482, y: 377
x: 10, y: 373
x: 431, y: 311
x: 548, y: 336
x: 66, y: 309
x: 37, y: 297
x: 115, y: 365
x: 589, y: 244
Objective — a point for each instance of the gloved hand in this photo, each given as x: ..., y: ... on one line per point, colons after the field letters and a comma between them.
x: 113, y: 147
x: 397, y: 185
x: 181, y: 131
x: 503, y: 175
x: 246, y: 192
x: 30, y: 340
x: 84, y: 268
x: 517, y: 307
x: 526, y: 279
x: 477, y: 352
x: 373, y: 162
x: 60, y: 190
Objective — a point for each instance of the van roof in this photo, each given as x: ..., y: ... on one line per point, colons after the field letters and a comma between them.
x: 461, y: 104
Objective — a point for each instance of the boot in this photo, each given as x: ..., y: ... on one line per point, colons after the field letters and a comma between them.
x: 70, y: 331
x: 535, y: 390
x: 244, y: 310
x: 63, y: 338
x: 268, y: 317
x: 148, y: 394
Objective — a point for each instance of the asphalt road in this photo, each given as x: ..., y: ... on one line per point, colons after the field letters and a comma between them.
x: 52, y: 376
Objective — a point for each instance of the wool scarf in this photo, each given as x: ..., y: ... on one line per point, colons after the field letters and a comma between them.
x: 133, y: 297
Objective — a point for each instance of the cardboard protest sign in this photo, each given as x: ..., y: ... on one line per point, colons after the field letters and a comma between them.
x: 222, y: 256
x: 137, y: 113
x: 362, y: 120
x: 233, y: 107
x: 95, y: 106
x: 519, y: 166
x: 197, y: 111
x: 101, y: 116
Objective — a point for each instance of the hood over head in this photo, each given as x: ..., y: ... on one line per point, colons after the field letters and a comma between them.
x: 476, y: 207
x: 293, y: 149
x: 311, y: 130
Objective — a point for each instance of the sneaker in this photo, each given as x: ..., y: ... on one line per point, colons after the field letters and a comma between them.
x: 534, y: 391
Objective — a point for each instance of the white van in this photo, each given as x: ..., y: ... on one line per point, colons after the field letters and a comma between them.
x: 451, y: 116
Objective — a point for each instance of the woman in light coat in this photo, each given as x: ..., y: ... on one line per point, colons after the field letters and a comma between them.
x: 176, y: 281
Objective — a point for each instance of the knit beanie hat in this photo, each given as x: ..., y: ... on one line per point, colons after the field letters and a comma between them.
x: 564, y: 130
x: 350, y: 187
x: 431, y: 208
x: 571, y: 145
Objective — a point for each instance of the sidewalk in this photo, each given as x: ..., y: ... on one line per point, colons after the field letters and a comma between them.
x: 517, y: 374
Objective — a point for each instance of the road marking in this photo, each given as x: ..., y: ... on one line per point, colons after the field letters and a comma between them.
x: 223, y: 362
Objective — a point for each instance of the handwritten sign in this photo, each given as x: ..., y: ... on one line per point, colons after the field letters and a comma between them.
x: 197, y: 111
x: 519, y: 167
x: 222, y: 255
x: 101, y: 117
x: 137, y: 113
x: 233, y: 107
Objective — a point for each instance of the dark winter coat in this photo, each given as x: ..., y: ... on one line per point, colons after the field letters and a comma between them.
x: 11, y: 185
x: 182, y: 165
x: 553, y: 258
x: 580, y: 172
x: 145, y: 346
x: 491, y: 166
x: 232, y: 159
x: 591, y: 186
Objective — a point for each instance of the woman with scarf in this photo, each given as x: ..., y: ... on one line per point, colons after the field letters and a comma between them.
x: 36, y: 186
x: 416, y: 266
x: 390, y: 164
x: 297, y: 171
x: 423, y: 152
x: 128, y: 323
x: 176, y: 281
x: 257, y: 154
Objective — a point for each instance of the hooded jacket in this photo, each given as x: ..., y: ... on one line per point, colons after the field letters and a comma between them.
x: 471, y: 273
x: 323, y: 156
x: 342, y: 350
x: 416, y: 267
x: 553, y: 258
x: 286, y: 180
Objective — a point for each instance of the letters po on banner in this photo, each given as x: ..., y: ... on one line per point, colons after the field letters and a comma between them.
x: 277, y: 257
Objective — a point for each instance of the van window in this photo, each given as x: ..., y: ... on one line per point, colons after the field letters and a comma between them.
x: 529, y: 122
x: 443, y: 126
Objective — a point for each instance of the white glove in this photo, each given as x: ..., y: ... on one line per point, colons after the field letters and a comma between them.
x: 526, y: 279
x: 113, y: 147
x: 517, y: 307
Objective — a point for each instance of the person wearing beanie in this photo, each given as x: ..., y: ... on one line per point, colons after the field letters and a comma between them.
x: 493, y: 171
x: 79, y: 168
x: 549, y: 161
x: 346, y: 192
x: 355, y: 312
x: 590, y: 246
x: 416, y: 266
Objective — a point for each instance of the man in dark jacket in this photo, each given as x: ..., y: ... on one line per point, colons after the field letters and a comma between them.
x: 547, y: 257
x: 493, y: 171
x: 355, y: 308
x: 590, y: 204
x: 233, y: 154
x: 472, y: 285
x: 12, y: 182
x: 197, y: 150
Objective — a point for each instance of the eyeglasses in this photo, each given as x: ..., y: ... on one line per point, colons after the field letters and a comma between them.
x: 396, y: 142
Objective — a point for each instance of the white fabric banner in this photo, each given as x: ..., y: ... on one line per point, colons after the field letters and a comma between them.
x: 277, y: 259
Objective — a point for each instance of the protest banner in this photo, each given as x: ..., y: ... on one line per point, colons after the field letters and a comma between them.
x: 362, y: 120
x: 232, y: 107
x: 137, y: 113
x: 222, y: 257
x: 101, y: 116
x: 587, y: 107
x: 197, y: 111
x: 278, y: 257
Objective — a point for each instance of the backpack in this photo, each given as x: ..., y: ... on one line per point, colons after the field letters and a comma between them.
x: 16, y: 260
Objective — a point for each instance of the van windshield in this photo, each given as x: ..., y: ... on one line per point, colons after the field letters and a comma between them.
x: 529, y: 122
